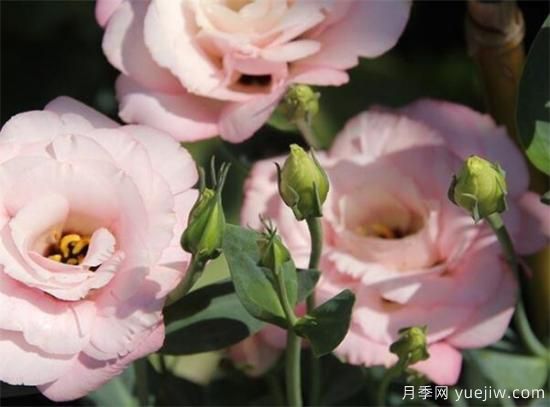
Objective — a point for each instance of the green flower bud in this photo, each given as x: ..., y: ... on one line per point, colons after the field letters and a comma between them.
x: 300, y: 103
x: 204, y: 234
x: 480, y: 188
x: 303, y: 183
x: 411, y: 347
x: 273, y: 253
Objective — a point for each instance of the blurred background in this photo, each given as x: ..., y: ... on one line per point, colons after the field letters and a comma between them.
x: 50, y: 48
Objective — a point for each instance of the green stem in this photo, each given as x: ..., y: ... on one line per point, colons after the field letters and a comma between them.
x: 293, y: 347
x: 521, y: 321
x: 389, y: 375
x: 307, y: 133
x: 316, y: 234
x: 194, y: 272
x: 142, y: 388
x: 292, y: 369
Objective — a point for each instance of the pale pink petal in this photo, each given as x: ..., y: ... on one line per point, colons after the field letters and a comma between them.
x: 72, y: 148
x: 369, y: 29
x: 186, y: 117
x: 124, y: 46
x: 240, y: 121
x: 167, y: 156
x: 22, y: 363
x: 171, y: 39
x: 174, y: 256
x: 444, y: 365
x: 381, y: 320
x: 102, y: 247
x: 318, y: 76
x: 468, y: 132
x: 374, y: 134
x: 77, y: 116
x: 87, y: 374
x: 357, y: 349
x: 127, y: 321
x: 30, y: 127
x: 489, y: 323
x: 292, y: 51
x: 104, y: 9
x: 61, y: 328
x: 302, y: 16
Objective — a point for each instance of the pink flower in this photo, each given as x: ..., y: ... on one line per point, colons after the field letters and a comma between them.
x: 393, y: 237
x: 198, y: 68
x: 90, y: 218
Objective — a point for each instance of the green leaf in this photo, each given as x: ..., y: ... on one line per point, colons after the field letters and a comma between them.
x: 307, y: 280
x: 326, y: 326
x: 209, y: 318
x: 533, y: 112
x: 510, y: 371
x: 253, y: 284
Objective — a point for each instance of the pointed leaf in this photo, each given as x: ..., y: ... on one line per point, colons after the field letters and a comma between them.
x: 326, y: 326
x: 533, y: 112
x: 253, y: 284
x: 209, y: 318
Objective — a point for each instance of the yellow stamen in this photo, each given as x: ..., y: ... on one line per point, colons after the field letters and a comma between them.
x: 382, y: 231
x: 55, y: 257
x: 376, y: 229
x: 81, y: 245
x: 69, y: 249
x: 66, y: 241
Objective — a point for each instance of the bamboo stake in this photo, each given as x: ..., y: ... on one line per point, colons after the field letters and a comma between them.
x: 494, y: 34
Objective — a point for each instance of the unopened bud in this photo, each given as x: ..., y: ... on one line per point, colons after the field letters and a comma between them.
x: 273, y: 253
x: 480, y: 188
x: 303, y: 183
x: 411, y: 347
x: 204, y: 234
x: 300, y: 103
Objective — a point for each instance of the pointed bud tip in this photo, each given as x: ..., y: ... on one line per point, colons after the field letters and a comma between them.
x: 273, y: 253
x: 303, y: 183
x: 480, y: 188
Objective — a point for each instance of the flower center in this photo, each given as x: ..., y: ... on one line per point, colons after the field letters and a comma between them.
x: 68, y: 248
x: 380, y: 230
x: 237, y: 5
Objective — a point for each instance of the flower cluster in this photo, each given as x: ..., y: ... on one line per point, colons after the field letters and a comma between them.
x: 393, y: 237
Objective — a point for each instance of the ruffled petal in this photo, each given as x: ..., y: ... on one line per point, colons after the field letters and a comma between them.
x: 29, y: 365
x: 87, y: 374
